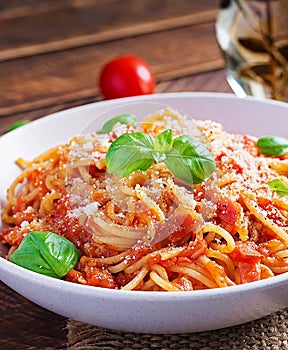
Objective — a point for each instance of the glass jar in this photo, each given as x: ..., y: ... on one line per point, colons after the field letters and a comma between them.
x: 253, y: 37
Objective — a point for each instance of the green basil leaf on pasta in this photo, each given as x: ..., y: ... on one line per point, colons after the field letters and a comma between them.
x: 185, y: 156
x: 190, y: 160
x: 46, y: 253
x: 279, y: 186
x: 162, y: 144
x: 130, y: 152
x: 273, y: 145
x: 122, y: 119
x: 164, y: 141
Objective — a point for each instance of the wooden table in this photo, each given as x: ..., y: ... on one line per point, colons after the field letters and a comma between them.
x: 51, y: 52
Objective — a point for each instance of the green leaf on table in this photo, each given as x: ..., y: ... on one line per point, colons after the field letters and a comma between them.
x: 46, y: 253
x: 17, y: 124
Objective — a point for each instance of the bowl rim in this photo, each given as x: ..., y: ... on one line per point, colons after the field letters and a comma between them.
x: 145, y: 98
x: 74, y: 288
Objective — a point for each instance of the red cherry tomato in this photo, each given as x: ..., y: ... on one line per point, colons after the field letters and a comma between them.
x: 126, y: 76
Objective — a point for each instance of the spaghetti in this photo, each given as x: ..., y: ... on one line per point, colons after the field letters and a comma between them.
x: 151, y: 231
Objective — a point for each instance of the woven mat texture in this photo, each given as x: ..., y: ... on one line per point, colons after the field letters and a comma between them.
x: 268, y: 333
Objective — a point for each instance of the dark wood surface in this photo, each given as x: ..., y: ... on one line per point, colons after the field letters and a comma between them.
x: 51, y: 52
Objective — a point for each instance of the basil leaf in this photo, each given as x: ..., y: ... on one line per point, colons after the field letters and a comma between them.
x: 278, y: 186
x: 273, y: 145
x: 190, y: 160
x: 185, y: 156
x: 162, y: 144
x: 122, y: 119
x: 46, y: 253
x: 18, y: 124
x: 130, y: 152
x: 164, y: 141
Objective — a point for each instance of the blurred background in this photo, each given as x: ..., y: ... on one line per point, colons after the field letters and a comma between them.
x: 51, y: 51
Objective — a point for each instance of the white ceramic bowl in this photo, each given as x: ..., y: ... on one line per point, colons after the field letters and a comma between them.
x: 152, y: 312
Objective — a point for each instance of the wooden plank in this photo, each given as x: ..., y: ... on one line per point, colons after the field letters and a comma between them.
x: 71, y: 24
x: 19, y: 318
x: 13, y: 4
x: 11, y: 7
x: 206, y: 82
x: 70, y: 75
x: 6, y: 121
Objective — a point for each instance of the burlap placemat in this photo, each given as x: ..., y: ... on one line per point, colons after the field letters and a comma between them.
x: 268, y: 333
